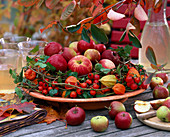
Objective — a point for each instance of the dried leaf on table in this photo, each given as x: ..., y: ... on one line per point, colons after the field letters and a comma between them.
x: 8, y: 97
x: 21, y: 108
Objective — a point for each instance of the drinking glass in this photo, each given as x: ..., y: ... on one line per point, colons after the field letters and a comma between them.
x: 26, y: 46
x: 8, y: 60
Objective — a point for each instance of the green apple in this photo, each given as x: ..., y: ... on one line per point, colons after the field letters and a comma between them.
x: 73, y: 45
x: 99, y: 123
x: 156, y: 81
x: 163, y: 113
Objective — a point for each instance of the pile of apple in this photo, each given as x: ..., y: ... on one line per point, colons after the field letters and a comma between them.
x: 117, y: 112
x: 162, y: 102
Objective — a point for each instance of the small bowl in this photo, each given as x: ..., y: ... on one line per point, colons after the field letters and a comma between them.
x: 87, y: 104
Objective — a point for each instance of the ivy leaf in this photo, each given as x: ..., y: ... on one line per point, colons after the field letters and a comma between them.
x: 52, y: 68
x: 51, y: 3
x: 18, y: 92
x: 135, y: 41
x: 98, y: 34
x: 85, y: 36
x: 34, y: 50
x: 98, y: 66
x: 73, y: 28
x: 42, y: 65
x: 68, y: 10
x: 123, y: 36
x: 75, y: 74
x: 151, y: 55
x: 52, y: 92
x: 105, y: 71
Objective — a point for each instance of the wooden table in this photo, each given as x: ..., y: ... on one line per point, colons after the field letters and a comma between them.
x: 58, y: 128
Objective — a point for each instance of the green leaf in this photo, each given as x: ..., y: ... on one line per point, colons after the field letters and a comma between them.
x: 98, y: 34
x: 29, y: 59
x: 123, y: 36
x: 85, y: 95
x: 52, y: 92
x: 24, y: 100
x: 101, y: 95
x: 128, y: 48
x: 148, y: 80
x: 13, y: 73
x: 98, y: 66
x: 105, y: 71
x: 151, y: 55
x: 67, y: 93
x: 75, y: 74
x: 59, y: 80
x: 21, y: 76
x: 85, y: 36
x: 51, y: 67
x: 18, y: 92
x: 135, y: 41
x: 34, y: 50
x: 42, y: 65
x: 73, y: 28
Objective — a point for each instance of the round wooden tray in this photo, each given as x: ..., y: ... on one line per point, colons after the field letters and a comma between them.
x: 88, y: 104
x: 153, y: 121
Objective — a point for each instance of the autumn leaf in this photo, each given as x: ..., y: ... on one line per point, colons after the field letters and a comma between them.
x: 98, y: 2
x: 112, y: 15
x: 49, y: 26
x: 51, y: 3
x: 140, y: 14
x: 23, y: 107
x: 27, y: 3
x: 157, y: 6
x: 85, y: 3
x: 8, y: 97
x: 68, y: 10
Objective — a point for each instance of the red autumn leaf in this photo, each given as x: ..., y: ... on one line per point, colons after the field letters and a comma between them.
x: 27, y: 3
x: 53, y: 115
x: 23, y: 107
x: 68, y: 10
x: 51, y: 3
x: 85, y: 23
x: 98, y: 2
x: 49, y: 26
x: 85, y: 3
x: 149, y: 3
x: 157, y: 6
x: 96, y: 10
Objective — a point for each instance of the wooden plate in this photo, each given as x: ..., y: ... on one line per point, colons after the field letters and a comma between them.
x: 88, y: 104
x: 153, y: 121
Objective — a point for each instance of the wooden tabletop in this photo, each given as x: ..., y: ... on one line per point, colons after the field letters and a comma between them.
x: 57, y: 128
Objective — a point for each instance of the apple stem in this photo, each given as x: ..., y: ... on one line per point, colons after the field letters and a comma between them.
x: 107, y: 107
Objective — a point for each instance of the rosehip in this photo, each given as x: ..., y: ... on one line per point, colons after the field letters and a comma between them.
x: 88, y: 81
x: 96, y: 81
x: 106, y: 90
x: 46, y: 79
x: 128, y: 79
x: 44, y: 91
x: 90, y: 75
x: 92, y: 92
x: 40, y: 83
x: 79, y: 91
x: 96, y: 86
x: 134, y: 86
x: 49, y: 88
x: 96, y: 77
x: 40, y: 88
x: 73, y: 94
x: 45, y: 85
x: 137, y: 79
x: 83, y: 85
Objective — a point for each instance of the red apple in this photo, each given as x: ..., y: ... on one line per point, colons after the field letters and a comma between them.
x: 58, y: 62
x: 73, y: 45
x: 111, y: 55
x: 106, y: 63
x: 52, y: 48
x: 99, y: 123
x: 160, y: 92
x: 156, y: 103
x: 92, y: 54
x: 100, y: 47
x: 75, y: 116
x: 163, y: 76
x: 167, y: 102
x: 80, y: 64
x: 68, y: 53
x: 156, y: 81
x: 115, y: 108
x: 82, y: 46
x: 123, y: 120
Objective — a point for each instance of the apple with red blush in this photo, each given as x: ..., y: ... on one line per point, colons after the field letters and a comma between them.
x: 52, y: 48
x: 163, y: 76
x: 75, y: 116
x: 123, y: 120
x: 73, y: 45
x: 167, y: 102
x: 100, y: 47
x: 99, y: 123
x: 82, y: 45
x: 92, y: 54
x: 68, y: 53
x: 106, y: 63
x: 160, y: 92
x: 80, y: 64
x: 58, y: 62
x: 156, y: 81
